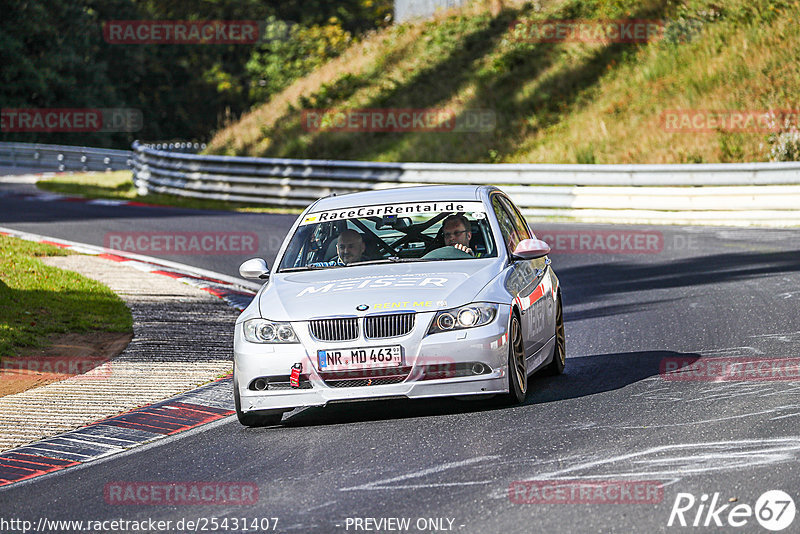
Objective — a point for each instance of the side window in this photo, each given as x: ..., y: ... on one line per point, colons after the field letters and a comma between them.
x: 507, y: 227
x: 516, y: 216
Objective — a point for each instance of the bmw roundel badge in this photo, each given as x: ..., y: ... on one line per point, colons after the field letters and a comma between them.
x: 362, y: 307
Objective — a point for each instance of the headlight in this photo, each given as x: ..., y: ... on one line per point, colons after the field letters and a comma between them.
x: 263, y: 331
x: 467, y: 316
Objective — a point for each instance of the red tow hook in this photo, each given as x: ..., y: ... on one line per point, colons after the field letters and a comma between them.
x: 294, y: 379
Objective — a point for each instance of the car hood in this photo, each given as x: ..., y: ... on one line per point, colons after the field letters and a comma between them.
x: 426, y: 286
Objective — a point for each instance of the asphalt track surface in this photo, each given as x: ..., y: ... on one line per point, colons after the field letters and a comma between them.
x: 700, y: 294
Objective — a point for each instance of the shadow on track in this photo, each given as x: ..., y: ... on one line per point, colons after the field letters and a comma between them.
x: 613, y: 309
x: 590, y: 375
x: 584, y: 376
x: 604, y: 279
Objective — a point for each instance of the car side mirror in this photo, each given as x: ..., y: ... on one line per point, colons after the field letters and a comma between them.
x: 530, y: 249
x: 254, y: 268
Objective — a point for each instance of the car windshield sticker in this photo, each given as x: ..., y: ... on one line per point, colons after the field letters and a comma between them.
x: 381, y: 210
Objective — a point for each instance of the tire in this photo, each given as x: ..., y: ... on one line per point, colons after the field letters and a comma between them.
x: 556, y: 367
x: 517, y: 366
x: 253, y: 419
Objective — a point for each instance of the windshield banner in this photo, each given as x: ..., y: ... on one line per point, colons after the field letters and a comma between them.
x: 406, y: 210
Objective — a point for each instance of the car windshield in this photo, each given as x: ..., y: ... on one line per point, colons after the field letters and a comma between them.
x: 409, y: 232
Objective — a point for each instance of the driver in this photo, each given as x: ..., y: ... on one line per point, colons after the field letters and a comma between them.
x: 350, y: 248
x: 455, y: 231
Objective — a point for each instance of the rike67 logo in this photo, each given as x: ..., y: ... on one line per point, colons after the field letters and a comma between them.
x: 774, y: 510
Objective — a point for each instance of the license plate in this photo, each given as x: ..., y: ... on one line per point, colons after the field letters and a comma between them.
x: 359, y: 358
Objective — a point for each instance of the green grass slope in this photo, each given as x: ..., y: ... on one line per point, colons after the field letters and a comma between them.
x: 562, y: 102
x: 37, y: 300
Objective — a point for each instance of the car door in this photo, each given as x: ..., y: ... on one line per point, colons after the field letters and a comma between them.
x: 526, y: 280
x: 544, y: 324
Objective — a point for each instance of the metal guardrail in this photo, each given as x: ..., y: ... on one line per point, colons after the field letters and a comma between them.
x: 736, y: 193
x: 405, y: 10
x: 61, y: 158
x: 724, y: 193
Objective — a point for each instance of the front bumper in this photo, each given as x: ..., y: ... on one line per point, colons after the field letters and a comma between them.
x: 487, y: 345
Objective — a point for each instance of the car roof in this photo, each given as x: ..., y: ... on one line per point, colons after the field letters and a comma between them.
x: 423, y: 193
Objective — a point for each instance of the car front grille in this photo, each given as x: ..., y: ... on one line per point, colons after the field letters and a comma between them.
x: 389, y: 325
x: 344, y: 329
x: 375, y: 327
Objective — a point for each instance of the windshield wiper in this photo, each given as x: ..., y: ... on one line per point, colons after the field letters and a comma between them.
x: 308, y: 268
x: 392, y: 259
x: 371, y: 262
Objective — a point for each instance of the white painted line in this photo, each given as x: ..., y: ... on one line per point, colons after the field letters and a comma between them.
x: 20, y: 179
x: 703, y: 458
x: 52, y: 452
x: 50, y: 197
x: 107, y: 202
x: 141, y: 266
x: 85, y: 250
x: 381, y: 484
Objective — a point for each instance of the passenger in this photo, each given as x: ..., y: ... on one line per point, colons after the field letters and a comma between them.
x: 350, y: 249
x: 455, y: 231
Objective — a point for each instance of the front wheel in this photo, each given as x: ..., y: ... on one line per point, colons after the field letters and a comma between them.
x: 556, y: 367
x: 517, y: 366
x: 253, y: 419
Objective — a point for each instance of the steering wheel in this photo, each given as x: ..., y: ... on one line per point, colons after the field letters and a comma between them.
x: 447, y: 253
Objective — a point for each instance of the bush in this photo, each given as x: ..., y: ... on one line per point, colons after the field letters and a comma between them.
x: 290, y: 52
x: 785, y: 146
x: 785, y: 142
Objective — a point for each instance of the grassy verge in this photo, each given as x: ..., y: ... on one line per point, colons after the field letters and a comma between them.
x: 37, y: 300
x: 562, y: 102
x: 118, y: 185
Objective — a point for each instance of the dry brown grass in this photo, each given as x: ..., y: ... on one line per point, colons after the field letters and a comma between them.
x: 748, y: 68
x: 565, y: 103
x: 393, y: 44
x: 246, y: 135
